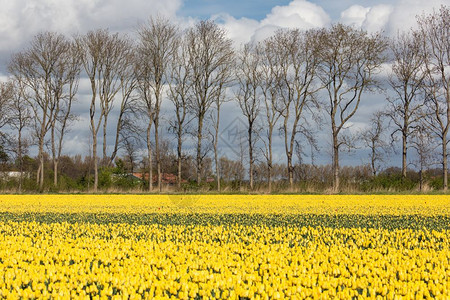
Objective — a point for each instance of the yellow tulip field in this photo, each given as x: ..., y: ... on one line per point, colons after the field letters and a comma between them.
x: 224, y: 246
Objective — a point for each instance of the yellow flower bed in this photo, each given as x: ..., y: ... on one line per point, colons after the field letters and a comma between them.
x: 265, y: 204
x: 229, y: 247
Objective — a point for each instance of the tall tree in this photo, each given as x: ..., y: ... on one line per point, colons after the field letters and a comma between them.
x: 67, y: 71
x: 104, y: 58
x: 20, y: 119
x: 349, y: 59
x: 147, y: 105
x: 157, y: 46
x: 38, y: 71
x: 179, y: 93
x: 406, y: 79
x: 210, y: 54
x: 249, y: 96
x: 435, y: 31
x: 270, y: 78
x: 297, y: 55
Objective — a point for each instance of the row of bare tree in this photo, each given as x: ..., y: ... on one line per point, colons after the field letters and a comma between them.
x: 285, y: 83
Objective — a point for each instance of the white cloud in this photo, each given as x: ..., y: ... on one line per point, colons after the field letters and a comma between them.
x: 355, y: 15
x: 377, y: 18
x: 297, y: 14
x: 264, y: 32
x: 239, y: 30
x: 369, y: 18
x: 21, y: 19
x: 404, y: 13
x: 398, y: 16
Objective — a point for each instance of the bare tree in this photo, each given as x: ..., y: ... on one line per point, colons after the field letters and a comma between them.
x: 349, y: 60
x: 105, y: 57
x: 297, y: 56
x: 20, y: 119
x: 147, y: 105
x: 270, y: 78
x: 435, y: 31
x: 67, y: 71
x: 374, y: 138
x: 38, y: 70
x: 179, y: 93
x: 210, y: 55
x: 157, y: 47
x: 249, y: 96
x: 406, y: 80
x: 128, y: 99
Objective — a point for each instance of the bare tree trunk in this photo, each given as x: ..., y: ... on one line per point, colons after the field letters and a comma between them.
x: 179, y: 154
x: 289, y: 152
x: 54, y: 159
x: 250, y: 155
x: 199, y: 149
x: 216, y: 155
x: 335, y: 163
x: 105, y: 124
x: 444, y: 164
x: 291, y: 173
x: 20, y: 159
x: 269, y: 161
x: 179, y: 167
x: 41, y: 167
x: 158, y: 154
x: 404, y: 151
x: 38, y: 172
x: 94, y: 156
x: 216, y: 159
x: 55, y: 164
x: 421, y: 180
x: 150, y: 160
x: 444, y: 143
x: 372, y: 161
x: 55, y: 170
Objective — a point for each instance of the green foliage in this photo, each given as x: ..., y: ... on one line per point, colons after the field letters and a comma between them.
x: 105, y: 178
x: 389, y: 182
x: 389, y: 222
x: 437, y: 183
x: 120, y: 167
x: 126, y: 182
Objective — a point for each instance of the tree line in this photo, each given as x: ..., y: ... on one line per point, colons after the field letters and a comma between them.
x: 290, y: 83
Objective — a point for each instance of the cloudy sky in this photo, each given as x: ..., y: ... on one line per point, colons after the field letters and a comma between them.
x: 244, y: 20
